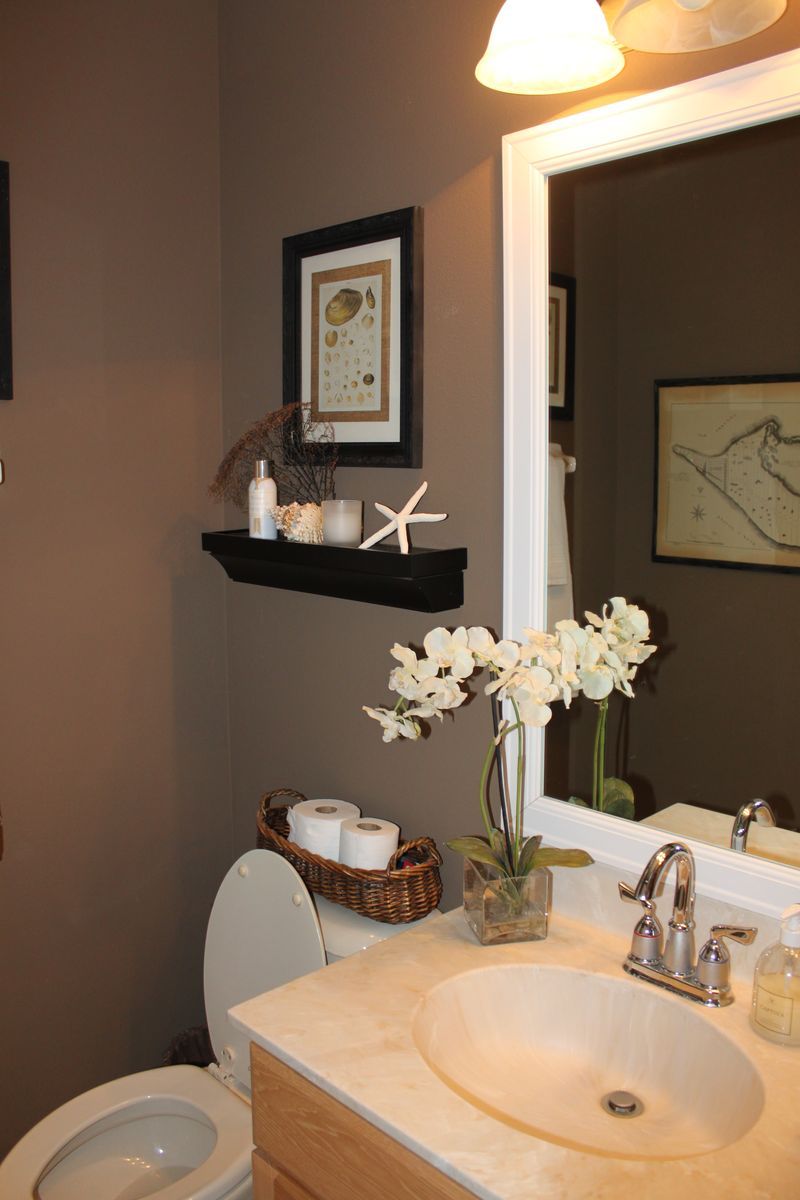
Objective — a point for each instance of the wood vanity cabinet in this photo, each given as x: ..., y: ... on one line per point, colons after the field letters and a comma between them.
x: 311, y: 1147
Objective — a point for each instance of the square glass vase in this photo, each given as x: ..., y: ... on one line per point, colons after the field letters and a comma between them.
x: 501, y: 909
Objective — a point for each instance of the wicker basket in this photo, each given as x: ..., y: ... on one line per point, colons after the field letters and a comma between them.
x: 396, y: 895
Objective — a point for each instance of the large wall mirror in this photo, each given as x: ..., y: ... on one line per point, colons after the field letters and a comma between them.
x: 616, y: 197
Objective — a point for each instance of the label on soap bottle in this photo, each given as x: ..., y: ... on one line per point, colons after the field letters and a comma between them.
x: 775, y: 1011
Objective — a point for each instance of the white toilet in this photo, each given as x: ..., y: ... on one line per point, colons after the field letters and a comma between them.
x: 183, y: 1132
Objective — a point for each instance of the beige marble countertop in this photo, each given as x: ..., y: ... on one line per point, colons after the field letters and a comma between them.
x: 347, y: 1028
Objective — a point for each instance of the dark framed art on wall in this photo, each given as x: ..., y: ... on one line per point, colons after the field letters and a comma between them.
x: 352, y: 335
x: 727, y: 479
x: 6, y: 373
x: 561, y: 347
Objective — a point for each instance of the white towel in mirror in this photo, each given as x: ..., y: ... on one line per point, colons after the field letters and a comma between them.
x: 559, y: 570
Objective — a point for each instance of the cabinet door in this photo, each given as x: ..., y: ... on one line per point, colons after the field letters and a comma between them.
x: 269, y: 1184
x: 336, y: 1154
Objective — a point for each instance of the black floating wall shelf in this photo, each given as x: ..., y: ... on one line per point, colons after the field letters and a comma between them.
x: 424, y: 580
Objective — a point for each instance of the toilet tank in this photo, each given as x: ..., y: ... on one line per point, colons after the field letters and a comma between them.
x: 346, y: 932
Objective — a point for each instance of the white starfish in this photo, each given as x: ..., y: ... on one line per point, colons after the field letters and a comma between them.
x: 400, y: 520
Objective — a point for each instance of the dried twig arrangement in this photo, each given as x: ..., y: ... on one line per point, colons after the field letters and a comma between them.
x: 303, y: 454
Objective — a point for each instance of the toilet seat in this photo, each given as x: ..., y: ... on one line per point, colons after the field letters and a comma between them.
x: 263, y: 931
x: 184, y: 1091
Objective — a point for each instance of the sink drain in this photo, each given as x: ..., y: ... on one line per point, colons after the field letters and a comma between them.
x: 622, y: 1104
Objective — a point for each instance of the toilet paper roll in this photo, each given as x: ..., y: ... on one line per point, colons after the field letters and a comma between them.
x: 315, y: 825
x: 367, y: 843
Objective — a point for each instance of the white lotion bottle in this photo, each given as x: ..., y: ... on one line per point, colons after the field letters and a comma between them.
x: 775, y: 1013
x: 262, y: 495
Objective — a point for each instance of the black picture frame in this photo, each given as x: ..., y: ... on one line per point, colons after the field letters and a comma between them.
x: 381, y: 256
x: 561, y: 347
x: 727, y: 472
x: 6, y: 364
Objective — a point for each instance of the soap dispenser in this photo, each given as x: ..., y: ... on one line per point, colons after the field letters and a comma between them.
x: 775, y: 1013
x: 262, y: 497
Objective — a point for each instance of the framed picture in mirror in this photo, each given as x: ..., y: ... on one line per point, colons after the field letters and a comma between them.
x: 561, y: 347
x: 727, y: 481
x: 352, y: 335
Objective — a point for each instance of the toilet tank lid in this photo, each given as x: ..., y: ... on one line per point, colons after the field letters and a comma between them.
x: 346, y: 932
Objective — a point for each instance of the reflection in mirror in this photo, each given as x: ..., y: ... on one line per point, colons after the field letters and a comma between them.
x: 686, y: 263
x: 685, y: 260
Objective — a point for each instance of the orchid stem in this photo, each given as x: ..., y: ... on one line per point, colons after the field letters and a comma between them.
x: 502, y: 782
x: 520, y: 783
x: 598, y: 781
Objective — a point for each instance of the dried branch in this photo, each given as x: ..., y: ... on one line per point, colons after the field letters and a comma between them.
x: 303, y: 454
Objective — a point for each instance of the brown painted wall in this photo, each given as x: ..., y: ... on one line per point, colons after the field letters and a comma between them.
x: 114, y: 660
x: 328, y: 115
x: 115, y: 788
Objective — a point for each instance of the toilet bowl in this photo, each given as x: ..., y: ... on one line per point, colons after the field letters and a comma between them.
x: 183, y: 1132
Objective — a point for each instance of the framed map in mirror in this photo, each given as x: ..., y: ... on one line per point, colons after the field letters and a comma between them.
x: 727, y: 489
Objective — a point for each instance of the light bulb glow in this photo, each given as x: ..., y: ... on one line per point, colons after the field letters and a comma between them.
x: 681, y: 26
x: 540, y: 47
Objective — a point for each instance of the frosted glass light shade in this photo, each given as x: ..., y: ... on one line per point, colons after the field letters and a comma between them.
x: 540, y: 47
x: 678, y: 26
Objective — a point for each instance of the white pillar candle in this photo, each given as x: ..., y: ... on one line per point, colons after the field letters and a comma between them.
x: 342, y: 522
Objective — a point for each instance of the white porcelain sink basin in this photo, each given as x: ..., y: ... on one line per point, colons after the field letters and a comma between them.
x: 541, y: 1047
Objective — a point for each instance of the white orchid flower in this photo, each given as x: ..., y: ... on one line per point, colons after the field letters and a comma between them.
x: 394, y: 724
x: 445, y: 694
x: 410, y: 679
x: 597, y: 679
x: 501, y: 656
x: 533, y: 695
x: 450, y: 651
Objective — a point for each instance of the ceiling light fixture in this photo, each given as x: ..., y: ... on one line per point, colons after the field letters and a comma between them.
x: 681, y: 26
x: 539, y: 47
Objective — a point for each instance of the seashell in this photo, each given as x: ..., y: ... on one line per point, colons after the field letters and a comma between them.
x: 370, y: 298
x: 331, y: 337
x: 368, y: 320
x: 368, y: 379
x: 300, y: 522
x: 344, y: 305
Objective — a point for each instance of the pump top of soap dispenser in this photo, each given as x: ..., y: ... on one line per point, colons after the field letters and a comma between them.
x: 790, y: 927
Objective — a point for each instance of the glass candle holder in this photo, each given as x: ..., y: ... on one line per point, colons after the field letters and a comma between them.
x: 342, y: 522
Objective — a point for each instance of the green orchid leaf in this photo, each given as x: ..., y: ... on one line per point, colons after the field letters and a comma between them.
x: 477, y: 848
x: 549, y: 856
x: 577, y: 800
x: 618, y: 798
x: 498, y: 844
x: 527, y: 853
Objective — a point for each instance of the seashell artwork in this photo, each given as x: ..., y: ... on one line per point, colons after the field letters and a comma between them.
x: 368, y: 320
x: 331, y: 338
x: 299, y: 522
x: 369, y: 378
x: 370, y: 298
x: 344, y: 305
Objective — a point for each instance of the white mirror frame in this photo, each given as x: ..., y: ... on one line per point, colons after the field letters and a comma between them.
x: 762, y: 91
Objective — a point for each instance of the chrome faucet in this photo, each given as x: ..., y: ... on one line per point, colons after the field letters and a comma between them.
x: 672, y: 964
x: 754, y: 810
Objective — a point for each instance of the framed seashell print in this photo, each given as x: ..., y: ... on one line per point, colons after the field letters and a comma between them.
x: 352, y: 335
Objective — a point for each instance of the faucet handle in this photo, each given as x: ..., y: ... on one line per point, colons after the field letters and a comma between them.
x: 648, y: 936
x: 626, y: 892
x: 713, y: 963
